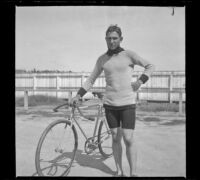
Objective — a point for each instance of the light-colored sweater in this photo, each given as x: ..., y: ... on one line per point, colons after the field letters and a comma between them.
x: 118, y: 75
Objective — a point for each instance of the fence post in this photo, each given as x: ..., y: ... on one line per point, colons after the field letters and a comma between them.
x: 57, y: 86
x: 34, y: 84
x: 180, y: 103
x: 137, y: 92
x: 82, y: 80
x: 137, y: 95
x: 26, y: 100
x: 170, y: 86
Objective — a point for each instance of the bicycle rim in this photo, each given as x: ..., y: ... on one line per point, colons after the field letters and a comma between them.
x: 56, y: 149
x: 104, y: 140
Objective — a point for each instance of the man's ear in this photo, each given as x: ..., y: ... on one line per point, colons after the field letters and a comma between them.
x: 121, y: 38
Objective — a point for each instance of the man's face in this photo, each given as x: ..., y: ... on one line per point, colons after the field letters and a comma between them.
x: 113, y: 40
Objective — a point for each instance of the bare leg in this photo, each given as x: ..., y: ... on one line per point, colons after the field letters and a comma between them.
x: 117, y: 149
x: 131, y: 149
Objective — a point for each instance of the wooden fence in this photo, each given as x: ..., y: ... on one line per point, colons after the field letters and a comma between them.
x: 162, y: 85
x: 140, y: 91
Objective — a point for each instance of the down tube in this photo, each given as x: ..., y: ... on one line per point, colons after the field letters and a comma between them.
x: 80, y: 129
x: 96, y: 125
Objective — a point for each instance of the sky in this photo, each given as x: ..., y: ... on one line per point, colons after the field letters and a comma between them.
x: 73, y: 37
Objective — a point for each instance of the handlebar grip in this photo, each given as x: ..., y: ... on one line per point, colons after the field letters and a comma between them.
x: 91, y: 118
x: 55, y: 110
x: 74, y: 104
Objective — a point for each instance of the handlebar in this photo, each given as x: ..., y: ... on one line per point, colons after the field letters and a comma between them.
x: 75, y: 105
x: 56, y: 108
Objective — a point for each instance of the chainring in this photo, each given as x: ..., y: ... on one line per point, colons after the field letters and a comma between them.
x: 90, y: 146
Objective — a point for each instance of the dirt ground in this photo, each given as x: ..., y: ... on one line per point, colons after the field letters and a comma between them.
x: 160, y: 141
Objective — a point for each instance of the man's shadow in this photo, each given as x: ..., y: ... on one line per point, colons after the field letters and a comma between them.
x: 93, y: 161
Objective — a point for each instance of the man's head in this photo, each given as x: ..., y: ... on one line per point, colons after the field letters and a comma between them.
x: 113, y: 37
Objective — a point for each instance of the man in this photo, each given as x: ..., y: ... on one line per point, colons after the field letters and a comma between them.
x: 119, y: 101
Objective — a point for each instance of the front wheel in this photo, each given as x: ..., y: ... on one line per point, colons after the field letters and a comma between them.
x: 56, y: 149
x: 105, y: 140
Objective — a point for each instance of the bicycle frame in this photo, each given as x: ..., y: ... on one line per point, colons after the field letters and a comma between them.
x: 91, y: 143
x: 98, y: 119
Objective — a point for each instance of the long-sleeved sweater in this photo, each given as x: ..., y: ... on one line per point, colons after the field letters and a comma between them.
x: 118, y: 75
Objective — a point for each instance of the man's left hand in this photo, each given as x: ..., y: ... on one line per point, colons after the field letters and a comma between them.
x: 136, y: 85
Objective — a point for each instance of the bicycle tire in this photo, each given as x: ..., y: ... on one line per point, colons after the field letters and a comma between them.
x: 66, y: 123
x: 101, y: 134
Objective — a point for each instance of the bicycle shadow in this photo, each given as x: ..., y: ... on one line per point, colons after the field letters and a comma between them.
x: 93, y: 161
x: 56, y: 163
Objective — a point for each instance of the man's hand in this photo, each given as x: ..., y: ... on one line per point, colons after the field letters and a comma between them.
x: 75, y: 100
x: 136, y: 85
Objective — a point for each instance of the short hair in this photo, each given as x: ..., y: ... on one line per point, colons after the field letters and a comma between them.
x: 113, y: 28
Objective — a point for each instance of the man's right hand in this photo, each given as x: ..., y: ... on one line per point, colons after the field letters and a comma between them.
x: 75, y: 100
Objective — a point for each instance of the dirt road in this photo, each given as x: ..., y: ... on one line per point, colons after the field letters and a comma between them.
x: 160, y: 145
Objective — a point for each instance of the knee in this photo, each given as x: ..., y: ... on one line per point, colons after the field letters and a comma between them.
x: 128, y: 140
x: 116, y: 138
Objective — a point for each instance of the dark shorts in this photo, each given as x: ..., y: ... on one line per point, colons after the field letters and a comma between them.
x: 120, y: 116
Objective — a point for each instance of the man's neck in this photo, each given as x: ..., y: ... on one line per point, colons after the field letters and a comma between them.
x: 110, y: 52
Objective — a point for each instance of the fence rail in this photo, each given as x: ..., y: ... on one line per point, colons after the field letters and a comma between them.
x: 140, y: 91
x: 162, y: 85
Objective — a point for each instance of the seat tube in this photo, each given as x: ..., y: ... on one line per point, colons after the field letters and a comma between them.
x: 104, y: 118
x: 97, y: 120
x: 80, y: 129
x: 96, y: 125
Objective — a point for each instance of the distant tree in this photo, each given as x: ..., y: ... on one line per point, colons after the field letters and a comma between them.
x: 34, y: 70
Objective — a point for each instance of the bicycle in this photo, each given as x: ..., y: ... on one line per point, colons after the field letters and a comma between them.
x: 64, y: 155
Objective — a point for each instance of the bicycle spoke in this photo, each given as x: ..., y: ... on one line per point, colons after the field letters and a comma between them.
x: 51, y: 169
x: 57, y: 150
x: 104, y: 140
x: 60, y: 138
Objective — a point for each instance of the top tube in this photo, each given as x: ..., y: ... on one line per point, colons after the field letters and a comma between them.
x: 90, y: 103
x: 79, y: 107
x: 87, y: 104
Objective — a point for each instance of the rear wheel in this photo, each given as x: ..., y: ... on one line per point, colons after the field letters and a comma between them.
x: 105, y: 140
x: 56, y: 149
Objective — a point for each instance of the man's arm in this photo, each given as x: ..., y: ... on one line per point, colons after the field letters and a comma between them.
x: 148, y: 67
x: 91, y: 79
